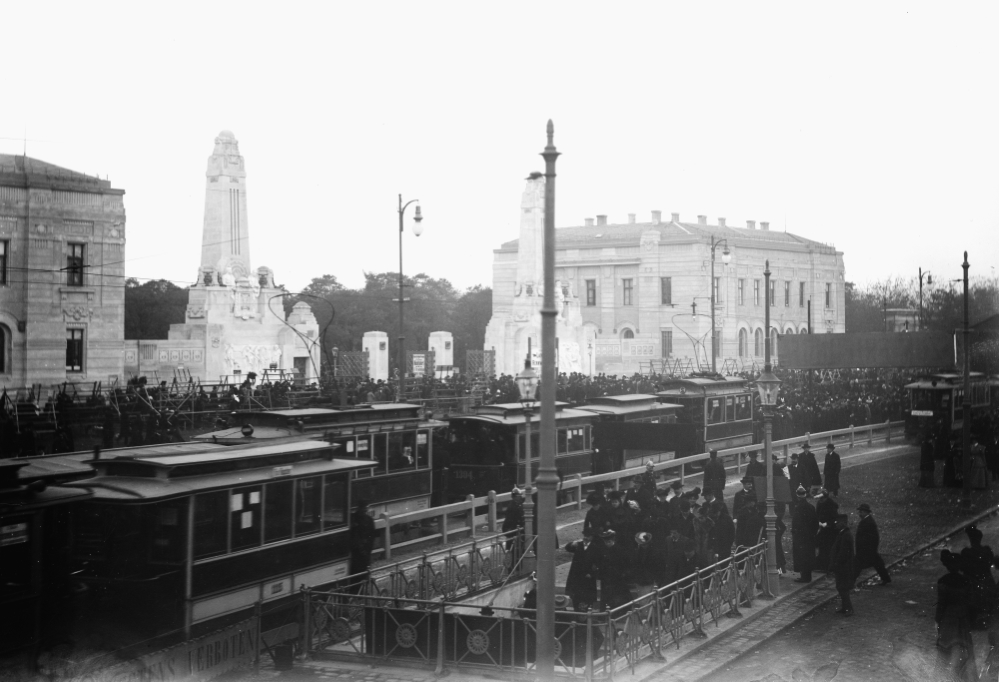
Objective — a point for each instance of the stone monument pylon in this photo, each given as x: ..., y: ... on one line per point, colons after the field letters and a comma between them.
x: 234, y: 312
x: 511, y: 327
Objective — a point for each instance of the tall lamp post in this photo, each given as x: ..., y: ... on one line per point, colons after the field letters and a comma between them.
x: 726, y: 259
x: 547, y: 475
x: 966, y: 402
x: 527, y: 385
x: 929, y: 282
x: 768, y: 385
x: 417, y: 230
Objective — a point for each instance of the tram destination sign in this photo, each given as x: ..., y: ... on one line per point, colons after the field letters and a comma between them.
x: 197, y: 660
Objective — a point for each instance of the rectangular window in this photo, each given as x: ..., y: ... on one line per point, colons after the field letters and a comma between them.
x: 334, y: 502
x: 4, y: 248
x: 717, y: 289
x: 562, y: 439
x: 730, y: 408
x: 244, y: 517
x: 829, y: 294
x: 787, y: 294
x: 716, y: 413
x: 743, y: 407
x: 210, y: 524
x: 402, y: 451
x: 666, y: 290
x: 773, y: 292
x: 756, y: 292
x: 591, y: 292
x: 627, y: 291
x: 742, y: 292
x: 801, y: 294
x: 277, y: 511
x: 576, y: 440
x: 308, y: 499
x: 74, y: 265
x: 74, y: 350
x: 666, y: 339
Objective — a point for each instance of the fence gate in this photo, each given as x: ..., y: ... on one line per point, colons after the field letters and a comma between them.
x: 351, y: 364
x: 480, y: 363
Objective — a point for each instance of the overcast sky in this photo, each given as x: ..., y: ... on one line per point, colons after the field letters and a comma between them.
x: 874, y: 126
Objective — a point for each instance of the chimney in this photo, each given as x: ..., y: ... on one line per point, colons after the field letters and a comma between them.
x: 764, y: 225
x: 676, y: 217
x: 631, y: 218
x: 751, y: 224
x: 657, y: 217
x: 702, y: 220
x: 721, y: 222
x: 589, y: 222
x: 601, y: 220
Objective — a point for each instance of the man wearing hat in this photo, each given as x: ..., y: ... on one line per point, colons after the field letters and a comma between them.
x: 581, y: 583
x: 741, y: 497
x: 513, y: 518
x: 613, y: 570
x: 714, y: 475
x: 596, y: 515
x: 811, y: 477
x: 676, y: 487
x: 794, y: 472
x: 867, y: 542
x: 748, y: 524
x: 826, y: 510
x: 362, y: 538
x: 841, y: 563
x: 804, y: 526
x: 755, y: 466
x: 831, y: 467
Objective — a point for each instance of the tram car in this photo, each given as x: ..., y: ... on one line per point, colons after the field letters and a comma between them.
x: 716, y: 412
x: 179, y: 540
x: 486, y: 450
x: 936, y: 403
x: 396, y: 435
x: 619, y: 443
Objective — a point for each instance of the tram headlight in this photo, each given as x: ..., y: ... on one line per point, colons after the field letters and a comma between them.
x: 246, y: 430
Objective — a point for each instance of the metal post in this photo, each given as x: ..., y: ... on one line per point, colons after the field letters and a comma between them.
x: 966, y: 403
x: 471, y: 514
x: 492, y: 510
x: 712, y: 285
x: 386, y: 536
x: 528, y: 492
x: 771, y: 515
x: 589, y: 644
x: 547, y: 479
x: 402, y: 339
x: 439, y: 671
x: 307, y: 622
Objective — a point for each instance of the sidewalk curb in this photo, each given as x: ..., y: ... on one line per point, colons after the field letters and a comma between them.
x: 953, y: 531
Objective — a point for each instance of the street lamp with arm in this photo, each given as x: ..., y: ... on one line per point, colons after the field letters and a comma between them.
x: 768, y: 385
x: 726, y: 259
x: 417, y: 230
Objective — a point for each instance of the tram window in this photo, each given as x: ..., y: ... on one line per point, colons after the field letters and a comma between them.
x: 378, y: 452
x: 576, y: 440
x: 535, y: 444
x: 401, y: 448
x: 308, y: 498
x: 210, y: 523
x: 334, y: 502
x: 730, y: 409
x: 422, y: 459
x: 15, y: 555
x: 244, y: 517
x: 167, y: 522
x: 277, y: 511
x: 743, y: 407
x: 90, y: 534
x: 563, y: 441
x: 586, y: 438
x: 364, y: 452
x: 715, y: 413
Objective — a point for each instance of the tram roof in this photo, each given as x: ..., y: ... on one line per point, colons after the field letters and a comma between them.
x: 513, y: 413
x: 703, y: 386
x: 631, y: 403
x: 324, y: 411
x: 943, y: 380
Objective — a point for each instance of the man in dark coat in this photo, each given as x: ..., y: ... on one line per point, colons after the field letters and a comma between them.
x: 741, y: 497
x: 868, y: 539
x: 794, y: 472
x: 804, y: 527
x: 513, y: 518
x: 581, y: 583
x: 714, y: 475
x: 722, y: 533
x: 748, y: 525
x: 596, y: 515
x: 926, y: 464
x: 362, y: 538
x: 613, y: 570
x: 831, y: 467
x: 755, y: 466
x: 841, y: 563
x: 826, y: 510
x: 811, y: 477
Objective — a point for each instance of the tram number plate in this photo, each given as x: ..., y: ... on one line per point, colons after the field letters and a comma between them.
x: 463, y: 474
x: 922, y: 413
x: 280, y: 471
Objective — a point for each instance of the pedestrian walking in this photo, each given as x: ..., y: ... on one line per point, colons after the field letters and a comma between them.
x: 831, y: 468
x: 841, y: 563
x: 955, y: 647
x: 868, y: 539
x: 804, y: 527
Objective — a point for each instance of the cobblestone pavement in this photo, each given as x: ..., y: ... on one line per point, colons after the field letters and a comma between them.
x: 890, y: 639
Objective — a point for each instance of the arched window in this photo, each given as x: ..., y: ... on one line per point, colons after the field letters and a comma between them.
x: 627, y: 334
x: 758, y: 343
x: 773, y: 342
x: 803, y: 330
x: 743, y: 343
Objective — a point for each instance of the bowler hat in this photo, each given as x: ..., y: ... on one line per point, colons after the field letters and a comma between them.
x: 806, y: 445
x: 614, y: 495
x: 676, y: 485
x: 594, y: 498
x: 830, y: 446
x: 864, y: 507
x: 747, y: 479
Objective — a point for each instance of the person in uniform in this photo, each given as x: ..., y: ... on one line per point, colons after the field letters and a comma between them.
x: 868, y: 539
x: 804, y: 527
x: 810, y: 475
x: 841, y: 563
x: 714, y: 475
x: 831, y: 468
x: 826, y: 510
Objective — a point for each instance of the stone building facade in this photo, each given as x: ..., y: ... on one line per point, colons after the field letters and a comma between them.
x: 62, y: 275
x: 643, y: 291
